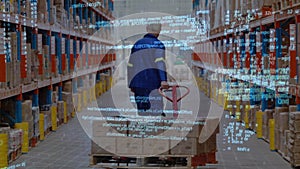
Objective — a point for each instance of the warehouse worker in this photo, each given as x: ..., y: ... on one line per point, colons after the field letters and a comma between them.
x: 147, y: 72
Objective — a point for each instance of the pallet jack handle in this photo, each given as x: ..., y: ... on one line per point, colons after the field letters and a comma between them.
x: 174, y: 98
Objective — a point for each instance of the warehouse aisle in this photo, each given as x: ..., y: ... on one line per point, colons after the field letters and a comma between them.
x: 69, y: 147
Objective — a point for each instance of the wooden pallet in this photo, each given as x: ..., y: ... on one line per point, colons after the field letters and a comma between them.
x: 163, y: 161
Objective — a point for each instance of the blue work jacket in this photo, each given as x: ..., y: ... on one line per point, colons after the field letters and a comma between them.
x: 146, y: 67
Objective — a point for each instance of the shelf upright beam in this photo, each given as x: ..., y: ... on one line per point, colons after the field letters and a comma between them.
x: 60, y: 86
x: 68, y: 52
x: 252, y: 41
x: 294, y: 49
x: 35, y: 98
x: 74, y: 10
x: 98, y: 76
x: 59, y: 52
x: 34, y: 38
x: 86, y: 16
x: 258, y: 51
x: 265, y: 41
x: 247, y: 50
x: 75, y: 53
x: 226, y: 53
x: 48, y: 42
x: 80, y: 52
x: 80, y: 14
x: 243, y: 51
x: 19, y: 47
x: 80, y: 81
x: 18, y: 112
x: 75, y: 84
x: 19, y: 6
x: 49, y: 9
x: 264, y: 93
x: 297, y: 61
x: 49, y: 94
x: 278, y: 49
x: 67, y: 7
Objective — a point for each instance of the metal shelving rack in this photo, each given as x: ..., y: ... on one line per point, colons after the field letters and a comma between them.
x: 67, y: 45
x: 275, y: 20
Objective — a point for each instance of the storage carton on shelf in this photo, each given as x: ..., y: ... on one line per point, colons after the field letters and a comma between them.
x: 294, y: 139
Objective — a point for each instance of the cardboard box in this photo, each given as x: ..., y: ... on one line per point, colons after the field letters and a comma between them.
x: 185, y: 147
x: 27, y: 110
x: 292, y: 108
x: 67, y: 87
x: 145, y: 129
x: 284, y: 121
x: 277, y: 139
x: 60, y: 110
x: 294, y: 136
x: 156, y: 146
x: 276, y: 115
x: 268, y: 114
x: 104, y: 145
x: 109, y: 128
x: 295, y: 115
x: 129, y: 146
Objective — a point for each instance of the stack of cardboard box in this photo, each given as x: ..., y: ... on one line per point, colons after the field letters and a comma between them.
x: 153, y: 137
x: 294, y: 140
x: 67, y: 96
x: 280, y: 114
x: 28, y: 117
x: 15, y: 63
x: 42, y: 11
x: 268, y: 114
x: 284, y: 131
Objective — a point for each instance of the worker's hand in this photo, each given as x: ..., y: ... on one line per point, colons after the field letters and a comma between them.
x: 164, y: 85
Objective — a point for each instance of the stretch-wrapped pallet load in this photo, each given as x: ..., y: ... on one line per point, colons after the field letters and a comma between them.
x: 36, y: 119
x: 15, y: 139
x: 294, y: 140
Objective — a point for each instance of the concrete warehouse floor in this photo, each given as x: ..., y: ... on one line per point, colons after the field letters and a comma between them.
x: 69, y: 147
